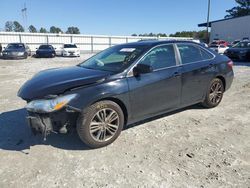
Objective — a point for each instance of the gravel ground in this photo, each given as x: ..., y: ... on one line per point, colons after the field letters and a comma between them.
x: 193, y: 147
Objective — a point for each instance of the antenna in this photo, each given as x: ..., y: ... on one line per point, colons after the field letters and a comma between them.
x: 24, y: 15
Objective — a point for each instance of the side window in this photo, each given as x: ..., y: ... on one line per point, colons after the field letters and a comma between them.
x: 190, y: 53
x: 206, y: 55
x: 160, y: 57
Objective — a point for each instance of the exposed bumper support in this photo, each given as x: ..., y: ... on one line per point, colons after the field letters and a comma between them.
x: 40, y: 124
x: 57, y: 122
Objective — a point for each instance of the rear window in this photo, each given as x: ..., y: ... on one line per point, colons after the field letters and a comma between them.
x: 214, y: 43
x: 69, y: 46
x: 45, y: 47
x: 192, y: 53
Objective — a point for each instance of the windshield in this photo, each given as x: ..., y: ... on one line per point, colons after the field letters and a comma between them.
x: 45, y: 47
x: 115, y: 59
x: 69, y: 46
x: 15, y: 46
x: 242, y: 45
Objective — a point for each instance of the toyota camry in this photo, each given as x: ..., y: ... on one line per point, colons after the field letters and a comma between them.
x: 125, y: 84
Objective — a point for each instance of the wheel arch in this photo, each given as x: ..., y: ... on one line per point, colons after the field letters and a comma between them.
x: 120, y: 103
x: 223, y: 80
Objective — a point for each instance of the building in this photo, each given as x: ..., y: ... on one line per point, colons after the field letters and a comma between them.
x: 229, y: 29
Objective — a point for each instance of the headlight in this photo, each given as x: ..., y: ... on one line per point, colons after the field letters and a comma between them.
x: 49, y: 105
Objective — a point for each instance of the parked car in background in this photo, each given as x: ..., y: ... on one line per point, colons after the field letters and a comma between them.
x: 245, y: 39
x: 1, y: 49
x: 219, y: 42
x: 16, y: 51
x: 219, y: 48
x: 204, y: 44
x: 240, y: 51
x: 235, y: 42
x: 70, y: 50
x: 125, y: 84
x: 45, y: 50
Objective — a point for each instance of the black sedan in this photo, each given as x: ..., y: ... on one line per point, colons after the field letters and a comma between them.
x: 123, y: 85
x: 240, y: 51
x: 16, y: 51
x: 46, y: 51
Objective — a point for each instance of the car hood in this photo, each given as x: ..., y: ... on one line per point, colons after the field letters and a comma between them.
x: 57, y: 81
x: 13, y: 50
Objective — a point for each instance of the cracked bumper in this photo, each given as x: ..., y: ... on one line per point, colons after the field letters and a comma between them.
x: 40, y: 124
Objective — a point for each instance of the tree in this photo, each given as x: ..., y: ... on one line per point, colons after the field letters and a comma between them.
x: 73, y: 30
x: 17, y: 27
x: 150, y: 35
x: 161, y: 35
x: 43, y: 30
x: 32, y: 29
x: 54, y: 29
x: 9, y: 26
x: 243, y: 9
x: 201, y: 35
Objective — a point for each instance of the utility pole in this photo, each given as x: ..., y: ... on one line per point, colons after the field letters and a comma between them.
x: 24, y: 14
x: 208, y: 15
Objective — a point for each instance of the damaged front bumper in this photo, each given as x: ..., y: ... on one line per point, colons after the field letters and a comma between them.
x: 40, y: 124
x: 56, y: 122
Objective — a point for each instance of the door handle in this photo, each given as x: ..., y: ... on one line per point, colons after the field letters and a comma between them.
x: 176, y: 74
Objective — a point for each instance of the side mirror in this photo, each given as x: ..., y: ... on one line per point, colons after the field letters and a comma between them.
x: 55, y: 48
x: 142, y: 69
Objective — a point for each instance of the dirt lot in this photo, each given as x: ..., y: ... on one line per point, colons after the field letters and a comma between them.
x: 193, y: 147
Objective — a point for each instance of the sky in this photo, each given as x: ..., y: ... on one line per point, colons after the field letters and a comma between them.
x: 115, y: 17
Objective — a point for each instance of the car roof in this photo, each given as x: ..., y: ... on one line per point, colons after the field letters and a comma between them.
x: 158, y: 42
x: 17, y: 43
x: 45, y: 45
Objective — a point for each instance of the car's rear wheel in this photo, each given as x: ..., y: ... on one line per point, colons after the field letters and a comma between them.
x: 214, y: 93
x: 100, y: 124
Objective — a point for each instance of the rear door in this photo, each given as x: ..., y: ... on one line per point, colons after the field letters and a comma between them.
x: 197, y: 71
x: 159, y: 90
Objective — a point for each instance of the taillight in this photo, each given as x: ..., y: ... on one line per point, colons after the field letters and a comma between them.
x: 230, y: 64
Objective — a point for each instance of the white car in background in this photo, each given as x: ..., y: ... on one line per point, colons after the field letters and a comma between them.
x: 220, y: 49
x: 70, y: 50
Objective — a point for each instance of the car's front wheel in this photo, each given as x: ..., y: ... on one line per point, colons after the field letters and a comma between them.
x: 100, y: 124
x: 25, y: 56
x: 214, y: 93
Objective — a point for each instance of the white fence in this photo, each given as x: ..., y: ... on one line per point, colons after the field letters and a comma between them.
x: 86, y: 43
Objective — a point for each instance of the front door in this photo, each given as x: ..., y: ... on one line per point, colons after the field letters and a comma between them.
x: 160, y: 90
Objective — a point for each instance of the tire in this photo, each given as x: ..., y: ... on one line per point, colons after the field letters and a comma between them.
x: 93, y: 130
x: 26, y: 56
x: 214, y: 93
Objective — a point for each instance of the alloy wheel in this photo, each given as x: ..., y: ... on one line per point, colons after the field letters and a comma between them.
x: 216, y: 93
x: 104, y: 125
